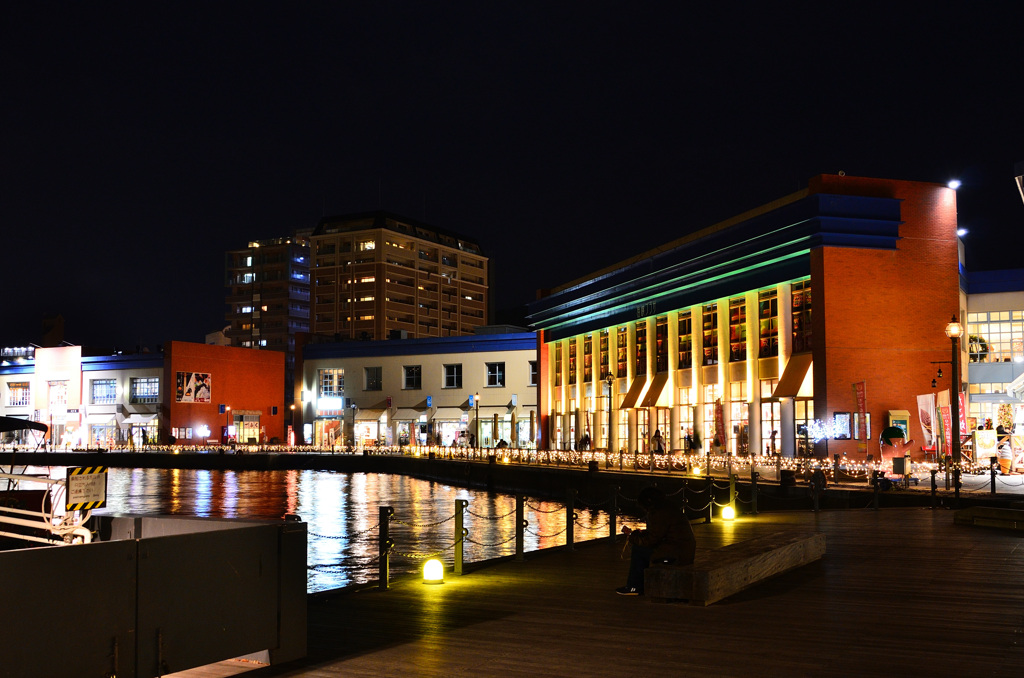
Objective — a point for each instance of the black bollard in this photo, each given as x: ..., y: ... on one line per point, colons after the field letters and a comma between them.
x: 383, y: 546
x: 460, y: 534
x: 993, y: 463
x: 612, y: 513
x: 875, y: 484
x: 570, y: 521
x: 711, y: 497
x: 956, y: 487
x: 935, y: 487
x: 754, y: 475
x: 520, y: 527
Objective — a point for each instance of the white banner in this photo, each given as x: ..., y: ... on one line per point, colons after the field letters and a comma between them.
x: 925, y: 414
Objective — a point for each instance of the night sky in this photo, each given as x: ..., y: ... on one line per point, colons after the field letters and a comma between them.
x: 140, y: 141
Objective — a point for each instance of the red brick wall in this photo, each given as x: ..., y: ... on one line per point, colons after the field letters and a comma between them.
x: 879, y: 314
x: 242, y: 378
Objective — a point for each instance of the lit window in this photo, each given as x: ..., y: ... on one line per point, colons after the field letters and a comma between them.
x: 104, y: 391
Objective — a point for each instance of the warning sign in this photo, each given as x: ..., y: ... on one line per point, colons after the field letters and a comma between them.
x: 86, y: 488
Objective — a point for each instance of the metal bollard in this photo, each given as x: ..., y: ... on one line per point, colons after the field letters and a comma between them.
x: 613, y: 513
x: 570, y: 521
x: 993, y: 463
x: 384, y: 546
x: 935, y: 487
x: 711, y: 497
x: 520, y: 527
x: 956, y: 487
x: 754, y: 475
x: 875, y: 483
x: 732, y: 491
x: 460, y: 533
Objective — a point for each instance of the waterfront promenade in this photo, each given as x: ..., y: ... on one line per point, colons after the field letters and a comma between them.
x: 900, y: 591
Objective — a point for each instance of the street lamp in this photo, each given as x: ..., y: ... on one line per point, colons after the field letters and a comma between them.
x: 227, y: 423
x: 476, y: 403
x: 954, y: 331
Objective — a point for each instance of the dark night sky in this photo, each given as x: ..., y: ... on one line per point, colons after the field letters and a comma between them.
x: 140, y: 141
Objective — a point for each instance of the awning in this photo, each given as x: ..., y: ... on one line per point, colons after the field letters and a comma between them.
x: 137, y: 419
x: 448, y: 413
x: 368, y: 415
x: 407, y: 414
x: 996, y: 398
x: 654, y: 392
x: 100, y: 418
x: 797, y: 370
x: 633, y: 394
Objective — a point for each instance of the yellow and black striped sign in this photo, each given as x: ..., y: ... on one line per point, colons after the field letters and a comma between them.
x: 86, y: 488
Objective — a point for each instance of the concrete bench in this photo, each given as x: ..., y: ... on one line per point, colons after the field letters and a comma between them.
x: 990, y: 516
x: 719, y: 573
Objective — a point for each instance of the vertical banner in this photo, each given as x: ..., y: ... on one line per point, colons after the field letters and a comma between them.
x: 861, y: 398
x: 719, y: 423
x: 963, y: 414
x: 925, y: 411
x: 947, y: 425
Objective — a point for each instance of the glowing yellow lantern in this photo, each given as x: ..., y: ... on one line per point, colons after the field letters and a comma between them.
x: 728, y: 513
x: 433, y: 572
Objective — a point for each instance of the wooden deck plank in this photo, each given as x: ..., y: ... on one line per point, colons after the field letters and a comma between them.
x: 899, y: 592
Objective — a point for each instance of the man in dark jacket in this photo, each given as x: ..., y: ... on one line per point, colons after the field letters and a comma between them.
x: 668, y: 538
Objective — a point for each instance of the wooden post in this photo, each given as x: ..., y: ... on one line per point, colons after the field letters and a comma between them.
x: 460, y: 534
x: 520, y: 527
x: 383, y: 546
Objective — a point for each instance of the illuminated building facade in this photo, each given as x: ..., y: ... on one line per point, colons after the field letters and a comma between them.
x: 379, y: 276
x: 268, y: 296
x: 195, y: 393
x: 767, y: 322
x: 441, y: 389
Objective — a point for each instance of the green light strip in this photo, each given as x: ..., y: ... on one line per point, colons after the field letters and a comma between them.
x: 624, y: 305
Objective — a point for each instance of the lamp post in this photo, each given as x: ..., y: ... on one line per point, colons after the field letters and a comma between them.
x: 954, y: 331
x: 227, y: 423
x: 476, y: 403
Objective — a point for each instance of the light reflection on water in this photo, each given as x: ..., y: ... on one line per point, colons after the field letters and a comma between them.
x: 342, y: 515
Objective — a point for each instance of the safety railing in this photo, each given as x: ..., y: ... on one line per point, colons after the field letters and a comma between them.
x: 699, y: 497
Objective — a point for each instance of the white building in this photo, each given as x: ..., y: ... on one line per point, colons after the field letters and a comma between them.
x: 446, y: 390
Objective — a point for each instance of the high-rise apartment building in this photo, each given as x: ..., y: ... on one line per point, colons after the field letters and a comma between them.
x: 268, y: 296
x: 377, y: 275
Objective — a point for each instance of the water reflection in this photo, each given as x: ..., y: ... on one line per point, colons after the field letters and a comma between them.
x: 342, y: 514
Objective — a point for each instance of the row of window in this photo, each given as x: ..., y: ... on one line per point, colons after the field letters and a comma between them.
x: 142, y: 390
x: 332, y: 380
x: 768, y: 322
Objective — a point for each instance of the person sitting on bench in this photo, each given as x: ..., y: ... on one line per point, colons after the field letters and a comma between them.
x: 667, y: 539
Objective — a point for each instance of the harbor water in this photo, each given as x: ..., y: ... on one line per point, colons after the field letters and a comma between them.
x: 342, y: 513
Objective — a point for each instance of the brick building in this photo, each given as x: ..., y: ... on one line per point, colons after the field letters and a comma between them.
x: 762, y: 323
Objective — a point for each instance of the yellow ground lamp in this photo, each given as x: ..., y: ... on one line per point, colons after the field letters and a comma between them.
x: 728, y: 513
x: 433, y: 572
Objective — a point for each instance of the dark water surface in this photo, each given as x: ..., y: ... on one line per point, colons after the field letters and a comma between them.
x: 342, y: 514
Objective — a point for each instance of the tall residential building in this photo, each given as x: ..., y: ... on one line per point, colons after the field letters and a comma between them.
x: 377, y: 275
x: 268, y: 296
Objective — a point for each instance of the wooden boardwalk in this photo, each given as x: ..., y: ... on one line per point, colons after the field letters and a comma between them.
x: 900, y: 592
